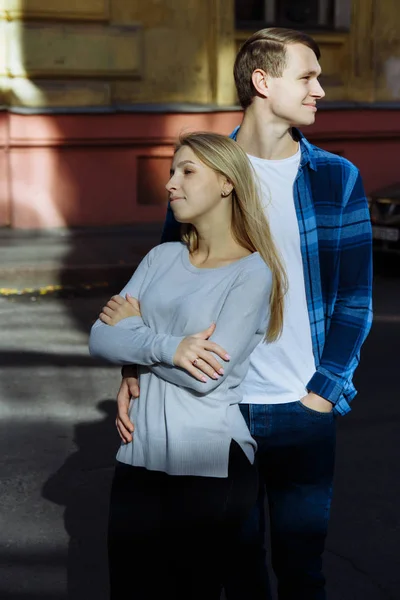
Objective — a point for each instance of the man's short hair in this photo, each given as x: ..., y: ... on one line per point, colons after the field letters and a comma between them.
x: 266, y: 50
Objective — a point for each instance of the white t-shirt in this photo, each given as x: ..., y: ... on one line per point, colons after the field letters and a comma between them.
x: 279, y: 371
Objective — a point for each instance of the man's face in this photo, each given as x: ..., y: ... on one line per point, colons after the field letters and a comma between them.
x: 293, y: 97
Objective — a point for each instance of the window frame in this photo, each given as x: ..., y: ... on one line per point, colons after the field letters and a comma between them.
x: 341, y: 18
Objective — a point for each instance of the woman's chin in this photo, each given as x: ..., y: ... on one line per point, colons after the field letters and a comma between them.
x: 180, y: 218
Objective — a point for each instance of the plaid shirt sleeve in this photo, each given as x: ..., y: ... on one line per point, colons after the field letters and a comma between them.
x: 351, y: 318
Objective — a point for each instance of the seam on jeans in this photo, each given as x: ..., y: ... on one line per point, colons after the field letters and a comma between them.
x: 327, y: 510
x: 250, y: 407
x: 311, y: 411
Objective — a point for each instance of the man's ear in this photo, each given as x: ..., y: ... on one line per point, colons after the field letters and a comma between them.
x: 260, y: 82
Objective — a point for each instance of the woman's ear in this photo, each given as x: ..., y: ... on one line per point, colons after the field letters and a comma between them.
x: 227, y: 188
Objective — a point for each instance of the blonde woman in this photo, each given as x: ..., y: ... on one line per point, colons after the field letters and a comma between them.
x: 186, y: 481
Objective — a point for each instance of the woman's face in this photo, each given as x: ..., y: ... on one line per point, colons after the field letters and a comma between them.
x: 194, y: 189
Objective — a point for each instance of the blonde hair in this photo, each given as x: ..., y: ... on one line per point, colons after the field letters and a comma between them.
x: 249, y: 224
x: 266, y: 50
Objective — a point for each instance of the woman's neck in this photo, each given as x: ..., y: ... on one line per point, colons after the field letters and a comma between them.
x: 216, y: 246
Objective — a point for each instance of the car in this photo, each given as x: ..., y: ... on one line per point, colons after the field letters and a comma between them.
x: 384, y: 206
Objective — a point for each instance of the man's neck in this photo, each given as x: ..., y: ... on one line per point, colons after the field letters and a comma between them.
x: 258, y: 136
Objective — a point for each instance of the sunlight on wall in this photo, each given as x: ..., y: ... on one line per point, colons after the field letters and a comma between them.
x: 16, y: 88
x: 36, y: 175
x: 23, y: 92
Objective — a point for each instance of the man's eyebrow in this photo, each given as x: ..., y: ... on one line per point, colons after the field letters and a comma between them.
x: 181, y: 164
x: 312, y: 72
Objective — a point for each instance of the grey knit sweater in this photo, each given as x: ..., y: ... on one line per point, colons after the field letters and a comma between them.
x: 184, y: 426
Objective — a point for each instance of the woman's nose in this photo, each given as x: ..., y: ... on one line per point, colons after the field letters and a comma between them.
x: 169, y: 185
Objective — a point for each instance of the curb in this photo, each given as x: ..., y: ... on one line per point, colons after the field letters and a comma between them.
x: 104, y: 257
x: 65, y: 276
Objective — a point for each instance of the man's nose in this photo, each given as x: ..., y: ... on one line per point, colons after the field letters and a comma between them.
x: 318, y: 90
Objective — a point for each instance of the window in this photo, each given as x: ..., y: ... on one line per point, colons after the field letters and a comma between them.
x: 294, y: 14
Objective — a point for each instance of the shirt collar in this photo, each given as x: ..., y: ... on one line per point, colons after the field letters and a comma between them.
x: 307, y: 150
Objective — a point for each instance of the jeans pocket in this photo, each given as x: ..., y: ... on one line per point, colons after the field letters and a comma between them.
x: 315, y: 413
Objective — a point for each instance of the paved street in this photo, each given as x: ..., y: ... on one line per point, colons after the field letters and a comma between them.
x: 57, y: 444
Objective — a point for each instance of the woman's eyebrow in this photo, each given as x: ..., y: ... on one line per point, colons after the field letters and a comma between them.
x: 181, y: 164
x: 184, y: 162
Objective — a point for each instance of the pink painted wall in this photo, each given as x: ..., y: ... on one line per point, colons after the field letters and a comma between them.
x: 5, y: 197
x: 92, y: 170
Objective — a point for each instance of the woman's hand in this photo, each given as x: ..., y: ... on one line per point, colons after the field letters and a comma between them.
x: 129, y: 389
x: 118, y: 308
x: 194, y: 354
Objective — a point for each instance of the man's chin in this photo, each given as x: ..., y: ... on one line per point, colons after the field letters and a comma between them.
x: 304, y: 121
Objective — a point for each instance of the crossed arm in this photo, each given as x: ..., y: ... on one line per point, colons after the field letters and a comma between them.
x: 194, y: 348
x: 118, y: 308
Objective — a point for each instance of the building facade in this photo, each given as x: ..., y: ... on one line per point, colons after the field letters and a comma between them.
x: 95, y: 93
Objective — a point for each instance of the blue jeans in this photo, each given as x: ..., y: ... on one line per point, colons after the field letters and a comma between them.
x: 295, y: 457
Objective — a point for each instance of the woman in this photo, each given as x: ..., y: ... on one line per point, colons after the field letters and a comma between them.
x: 187, y: 480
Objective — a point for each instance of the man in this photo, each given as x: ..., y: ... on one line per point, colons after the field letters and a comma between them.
x: 296, y: 386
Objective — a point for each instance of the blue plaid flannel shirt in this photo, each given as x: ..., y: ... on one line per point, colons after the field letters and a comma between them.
x: 336, y: 247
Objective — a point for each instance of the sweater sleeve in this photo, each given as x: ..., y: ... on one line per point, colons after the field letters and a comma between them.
x: 131, y: 341
x: 240, y: 326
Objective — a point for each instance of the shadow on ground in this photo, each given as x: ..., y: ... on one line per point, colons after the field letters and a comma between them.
x: 82, y: 485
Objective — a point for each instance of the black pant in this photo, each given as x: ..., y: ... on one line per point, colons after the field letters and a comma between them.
x: 172, y: 536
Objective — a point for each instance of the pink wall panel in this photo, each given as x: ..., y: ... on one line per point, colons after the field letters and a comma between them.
x: 60, y: 187
x: 5, y: 199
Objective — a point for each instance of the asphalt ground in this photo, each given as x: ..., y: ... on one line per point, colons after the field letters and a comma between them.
x: 58, y: 441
